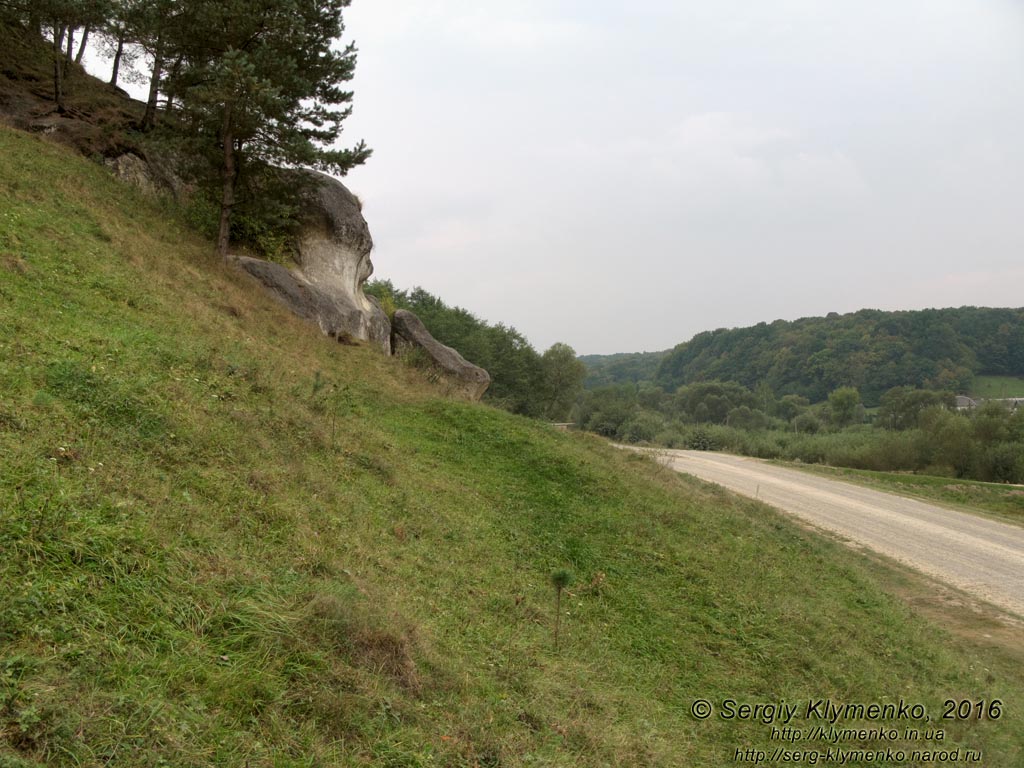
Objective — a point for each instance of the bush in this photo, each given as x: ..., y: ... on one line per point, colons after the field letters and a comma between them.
x: 745, y: 417
x: 701, y: 440
x: 1001, y: 463
x: 807, y: 423
x: 641, y: 428
x: 671, y: 438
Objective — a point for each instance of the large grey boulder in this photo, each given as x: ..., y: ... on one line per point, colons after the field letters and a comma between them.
x: 409, y: 335
x: 332, y: 263
x: 333, y: 255
x: 336, y: 317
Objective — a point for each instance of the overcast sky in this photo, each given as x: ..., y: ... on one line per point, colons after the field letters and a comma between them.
x: 620, y: 176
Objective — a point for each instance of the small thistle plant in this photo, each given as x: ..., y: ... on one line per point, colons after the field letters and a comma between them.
x: 561, y: 580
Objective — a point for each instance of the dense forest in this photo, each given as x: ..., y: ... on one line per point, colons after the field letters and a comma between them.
x: 621, y: 368
x: 870, y: 350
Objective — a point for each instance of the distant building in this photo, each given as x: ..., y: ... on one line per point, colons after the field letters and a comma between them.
x: 965, y: 403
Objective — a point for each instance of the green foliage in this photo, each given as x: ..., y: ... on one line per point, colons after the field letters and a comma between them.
x: 901, y: 407
x: 246, y: 88
x: 641, y: 428
x: 213, y: 572
x: 701, y: 439
x: 987, y: 444
x: 842, y: 406
x: 262, y: 85
x: 712, y: 401
x: 1001, y: 462
x: 563, y: 376
x: 870, y: 350
x: 790, y: 406
x: 745, y: 417
x: 951, y: 441
x: 621, y: 368
x: 561, y: 579
x: 522, y: 381
x: 605, y: 410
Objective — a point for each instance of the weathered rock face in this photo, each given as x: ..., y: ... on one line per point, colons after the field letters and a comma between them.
x: 335, y: 318
x: 326, y: 286
x: 133, y: 170
x: 465, y: 379
x: 153, y: 175
x: 334, y: 247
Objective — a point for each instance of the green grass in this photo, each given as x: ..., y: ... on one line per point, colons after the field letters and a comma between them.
x: 997, y: 386
x: 1001, y: 501
x: 227, y: 540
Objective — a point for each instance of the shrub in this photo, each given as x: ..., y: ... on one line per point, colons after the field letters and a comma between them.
x: 745, y: 417
x: 1001, y: 463
x: 701, y: 440
x: 807, y: 423
x: 670, y: 437
x: 641, y: 428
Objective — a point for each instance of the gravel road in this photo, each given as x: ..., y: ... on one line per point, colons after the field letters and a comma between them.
x: 980, y: 556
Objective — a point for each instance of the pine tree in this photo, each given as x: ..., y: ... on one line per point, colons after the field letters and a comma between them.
x: 264, y: 81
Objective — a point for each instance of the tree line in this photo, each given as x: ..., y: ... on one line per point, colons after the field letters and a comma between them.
x: 871, y: 350
x: 911, y: 429
x: 241, y: 87
x: 523, y: 381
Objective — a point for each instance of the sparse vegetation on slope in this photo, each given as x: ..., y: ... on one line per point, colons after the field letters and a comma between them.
x: 227, y: 540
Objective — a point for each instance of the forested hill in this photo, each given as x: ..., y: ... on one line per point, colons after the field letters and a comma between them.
x: 621, y: 368
x: 871, y: 350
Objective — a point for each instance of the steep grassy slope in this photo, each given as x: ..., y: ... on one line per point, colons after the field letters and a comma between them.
x: 226, y: 540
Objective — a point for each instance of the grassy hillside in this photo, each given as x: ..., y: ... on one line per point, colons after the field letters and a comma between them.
x: 226, y: 540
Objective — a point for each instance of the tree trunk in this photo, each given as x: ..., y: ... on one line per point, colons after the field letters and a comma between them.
x: 227, y: 200
x: 70, y: 42
x: 171, y: 76
x: 149, y: 118
x: 117, y: 58
x: 81, y: 45
x: 58, y: 67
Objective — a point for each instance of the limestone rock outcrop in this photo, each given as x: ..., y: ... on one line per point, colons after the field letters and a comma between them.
x: 464, y: 379
x: 152, y: 174
x: 333, y: 257
x: 333, y: 262
x: 325, y: 286
x: 335, y: 318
